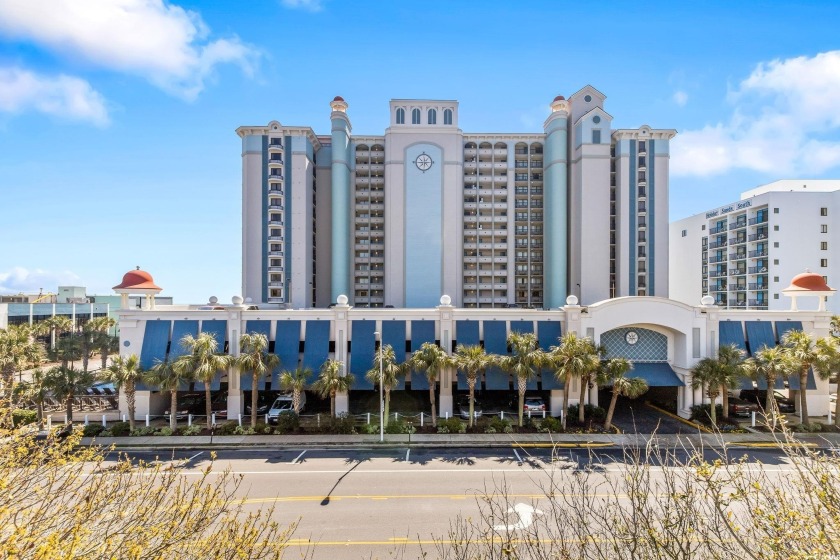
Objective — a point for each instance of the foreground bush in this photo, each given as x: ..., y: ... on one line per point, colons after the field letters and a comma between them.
x: 51, y: 508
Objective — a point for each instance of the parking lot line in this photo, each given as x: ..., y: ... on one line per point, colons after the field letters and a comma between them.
x: 298, y: 457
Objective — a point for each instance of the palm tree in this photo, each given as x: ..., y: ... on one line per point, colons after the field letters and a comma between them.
x: 255, y: 358
x: 36, y: 391
x: 166, y: 376
x: 18, y: 349
x: 54, y: 326
x: 67, y: 350
x: 202, y: 362
x: 710, y: 374
x: 768, y: 365
x: 431, y: 359
x: 614, y: 372
x: 523, y: 362
x: 331, y: 381
x: 804, y: 355
x: 731, y: 359
x: 829, y: 347
x: 472, y: 360
x: 296, y: 382
x: 101, y: 339
x: 124, y: 373
x: 386, y: 362
x: 65, y: 383
x: 573, y: 357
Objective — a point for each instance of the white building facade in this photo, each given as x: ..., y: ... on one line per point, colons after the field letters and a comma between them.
x: 743, y: 254
x: 494, y: 220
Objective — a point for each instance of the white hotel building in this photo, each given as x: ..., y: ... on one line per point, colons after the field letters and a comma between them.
x: 493, y: 220
x: 744, y: 254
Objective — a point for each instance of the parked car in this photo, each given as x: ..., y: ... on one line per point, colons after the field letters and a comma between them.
x: 219, y: 404
x: 741, y: 407
x: 533, y: 404
x: 191, y: 403
x: 759, y: 397
x: 283, y: 405
x: 464, y: 408
x: 264, y: 401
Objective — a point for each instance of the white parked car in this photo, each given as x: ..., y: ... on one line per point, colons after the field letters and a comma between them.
x: 283, y: 405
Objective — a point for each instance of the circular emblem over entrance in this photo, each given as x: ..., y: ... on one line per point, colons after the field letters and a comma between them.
x: 631, y: 337
x: 423, y: 162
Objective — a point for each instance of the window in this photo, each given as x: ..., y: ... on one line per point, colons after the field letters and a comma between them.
x: 447, y: 116
x: 703, y: 227
x: 775, y: 228
x: 641, y: 146
x: 824, y: 228
x: 596, y: 136
x: 824, y: 245
x: 823, y: 211
x: 415, y: 116
x: 432, y: 116
x: 641, y: 175
x: 775, y: 261
x: 642, y: 191
x: 776, y: 244
x: 775, y: 296
x: 641, y: 161
x: 684, y: 232
x: 825, y: 279
x: 400, y: 116
x: 824, y: 263
x: 775, y: 279
x: 642, y: 207
x: 775, y: 210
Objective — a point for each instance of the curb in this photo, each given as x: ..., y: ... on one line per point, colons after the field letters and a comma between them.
x: 681, y: 419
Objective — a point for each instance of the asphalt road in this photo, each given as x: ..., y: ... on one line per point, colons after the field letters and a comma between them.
x: 376, y: 503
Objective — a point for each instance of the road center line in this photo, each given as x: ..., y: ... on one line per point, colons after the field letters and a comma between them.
x: 298, y: 457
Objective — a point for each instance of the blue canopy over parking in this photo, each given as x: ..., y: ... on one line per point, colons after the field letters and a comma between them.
x: 657, y: 374
x: 218, y: 330
x: 548, y: 335
x: 253, y: 327
x: 495, y: 342
x: 782, y: 328
x: 421, y: 331
x: 287, y: 348
x: 466, y: 333
x: 760, y: 336
x: 362, y: 348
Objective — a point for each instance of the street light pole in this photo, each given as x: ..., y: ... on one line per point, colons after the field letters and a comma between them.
x: 381, y: 399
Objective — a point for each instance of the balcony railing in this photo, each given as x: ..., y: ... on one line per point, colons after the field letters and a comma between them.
x: 719, y: 229
x: 758, y: 287
x: 739, y: 224
x: 758, y: 270
x: 759, y: 220
x: 755, y: 254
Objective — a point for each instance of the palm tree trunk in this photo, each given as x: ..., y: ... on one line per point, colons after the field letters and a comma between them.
x: 471, y: 385
x: 725, y: 400
x: 432, y: 387
x: 387, y: 406
x: 104, y: 359
x: 208, y: 406
x: 173, y: 409
x: 522, y: 385
x: 39, y: 405
x: 295, y: 400
x: 332, y: 403
x: 803, y: 393
x: 584, y: 384
x: 85, y: 359
x: 769, y: 404
x: 611, y: 410
x: 69, y: 408
x: 254, y: 396
x: 713, y: 412
x: 566, y: 382
x: 130, y: 401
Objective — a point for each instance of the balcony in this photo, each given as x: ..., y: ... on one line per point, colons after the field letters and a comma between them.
x: 758, y: 303
x: 758, y: 220
x: 717, y: 273
x: 275, y: 148
x: 737, y: 271
x: 756, y: 254
x: 758, y: 269
x: 738, y: 240
x: 738, y: 224
x: 717, y: 245
x: 719, y: 229
x: 758, y: 287
x: 757, y: 237
x: 738, y: 256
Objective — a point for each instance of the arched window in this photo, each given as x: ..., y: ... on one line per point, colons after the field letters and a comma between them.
x: 400, y: 116
x: 432, y: 116
x: 415, y: 116
x: 447, y: 116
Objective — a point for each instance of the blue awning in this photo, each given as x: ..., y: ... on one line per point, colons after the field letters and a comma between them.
x: 657, y: 374
x: 254, y: 327
x: 525, y: 327
x: 782, y: 327
x: 362, y: 348
x: 155, y: 340
x: 466, y: 333
x: 219, y: 331
x: 732, y: 332
x: 421, y: 331
x: 180, y: 329
x: 316, y: 348
x: 495, y: 342
x: 548, y: 335
x: 393, y: 335
x: 287, y: 348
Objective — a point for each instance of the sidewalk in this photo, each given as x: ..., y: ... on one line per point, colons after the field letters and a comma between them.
x: 823, y: 441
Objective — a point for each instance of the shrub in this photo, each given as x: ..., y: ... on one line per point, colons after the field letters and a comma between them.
x: 226, y: 429
x: 702, y: 413
x: 119, y: 429
x: 399, y: 427
x: 165, y: 431
x: 370, y: 429
x: 244, y: 431
x: 590, y: 412
x: 452, y: 426
x: 144, y: 431
x: 551, y: 424
x: 22, y: 417
x: 500, y: 424
x: 808, y: 427
x: 193, y: 430
x: 341, y: 424
x: 92, y: 430
x: 287, y: 422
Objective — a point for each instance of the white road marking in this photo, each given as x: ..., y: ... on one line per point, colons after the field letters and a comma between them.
x: 525, y: 513
x: 407, y: 451
x: 298, y: 457
x: 518, y: 458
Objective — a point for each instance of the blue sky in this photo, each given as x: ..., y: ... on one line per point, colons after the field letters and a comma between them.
x: 117, y: 117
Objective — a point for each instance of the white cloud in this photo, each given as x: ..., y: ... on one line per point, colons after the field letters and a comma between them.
x: 785, y: 121
x: 309, y: 5
x: 161, y: 42
x: 19, y: 280
x: 680, y: 98
x: 61, y: 96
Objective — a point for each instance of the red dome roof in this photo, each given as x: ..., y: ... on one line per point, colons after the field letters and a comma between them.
x: 808, y: 282
x: 559, y: 98
x: 138, y: 279
x: 338, y: 98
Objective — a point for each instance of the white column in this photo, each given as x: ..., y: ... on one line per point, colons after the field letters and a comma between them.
x: 446, y: 324
x: 235, y: 402
x: 341, y: 322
